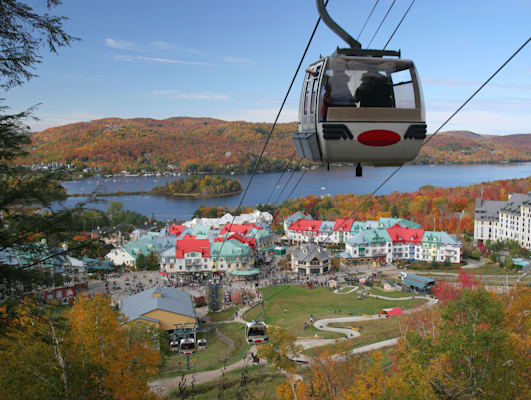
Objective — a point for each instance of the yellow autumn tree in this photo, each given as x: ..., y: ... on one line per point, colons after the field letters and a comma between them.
x: 116, y: 364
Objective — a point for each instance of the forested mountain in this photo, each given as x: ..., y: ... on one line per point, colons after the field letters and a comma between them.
x: 211, y: 145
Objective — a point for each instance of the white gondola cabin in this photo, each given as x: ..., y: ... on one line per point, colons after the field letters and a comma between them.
x: 187, y: 346
x: 201, y: 344
x: 174, y: 346
x: 358, y: 107
x: 256, y: 332
x: 361, y: 110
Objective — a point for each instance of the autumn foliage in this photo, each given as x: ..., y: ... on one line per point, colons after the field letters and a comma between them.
x: 84, y: 353
x: 475, y: 346
x: 452, y: 208
x: 212, y: 145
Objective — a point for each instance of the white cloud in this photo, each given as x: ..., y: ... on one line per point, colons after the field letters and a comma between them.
x: 488, y: 116
x: 122, y: 57
x: 160, y: 44
x: 170, y: 61
x: 261, y: 115
x: 177, y: 94
x: 120, y: 44
x: 236, y: 59
x: 465, y: 83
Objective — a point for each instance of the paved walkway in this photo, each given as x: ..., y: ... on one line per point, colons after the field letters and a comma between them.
x: 165, y: 385
x: 354, y: 288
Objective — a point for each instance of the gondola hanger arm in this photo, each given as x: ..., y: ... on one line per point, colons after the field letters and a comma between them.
x: 321, y: 8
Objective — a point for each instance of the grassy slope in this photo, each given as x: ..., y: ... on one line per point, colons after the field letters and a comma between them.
x: 261, y: 384
x: 213, y: 356
x: 371, y: 332
x: 301, y: 302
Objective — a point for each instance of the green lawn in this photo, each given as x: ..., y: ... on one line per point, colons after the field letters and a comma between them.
x: 213, y: 356
x: 371, y: 332
x: 224, y: 315
x: 395, y: 295
x: 301, y: 302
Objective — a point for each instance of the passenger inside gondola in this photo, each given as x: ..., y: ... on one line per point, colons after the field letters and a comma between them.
x: 256, y: 331
x: 376, y: 90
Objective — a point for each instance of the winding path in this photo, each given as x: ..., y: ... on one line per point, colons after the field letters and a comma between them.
x: 354, y: 288
x: 322, y: 324
x: 165, y: 385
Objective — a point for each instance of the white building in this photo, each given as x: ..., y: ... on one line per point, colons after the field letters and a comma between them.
x: 242, y: 219
x: 504, y: 220
x: 119, y: 256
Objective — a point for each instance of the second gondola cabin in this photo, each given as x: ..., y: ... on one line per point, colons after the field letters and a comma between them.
x: 367, y: 110
x: 256, y: 332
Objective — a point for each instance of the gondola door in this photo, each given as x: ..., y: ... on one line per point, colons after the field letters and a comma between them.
x: 305, y: 140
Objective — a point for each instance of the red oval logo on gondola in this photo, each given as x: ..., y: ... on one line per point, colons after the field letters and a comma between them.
x: 379, y: 137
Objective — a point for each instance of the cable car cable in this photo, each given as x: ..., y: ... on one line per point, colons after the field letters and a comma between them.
x: 281, y: 176
x: 289, y: 180
x: 297, y: 184
x: 478, y: 90
x: 272, y: 128
x: 400, y: 23
x: 431, y: 137
x: 276, y: 185
x: 381, y: 23
x: 367, y: 20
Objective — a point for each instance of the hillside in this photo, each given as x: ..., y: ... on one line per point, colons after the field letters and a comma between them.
x: 211, y: 145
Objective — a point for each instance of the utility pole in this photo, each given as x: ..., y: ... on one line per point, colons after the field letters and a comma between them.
x: 434, y: 223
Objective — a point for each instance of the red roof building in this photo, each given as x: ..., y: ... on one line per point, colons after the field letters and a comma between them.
x: 176, y: 229
x: 236, y: 236
x: 405, y: 235
x: 242, y: 229
x: 389, y: 312
x: 343, y: 224
x: 188, y: 245
x: 306, y: 226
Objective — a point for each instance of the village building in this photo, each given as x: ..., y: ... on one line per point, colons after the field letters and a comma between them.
x: 504, y: 220
x: 162, y: 307
x: 417, y: 283
x: 310, y: 259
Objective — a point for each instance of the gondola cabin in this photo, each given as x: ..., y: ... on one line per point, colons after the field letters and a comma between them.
x: 187, y: 347
x: 174, y: 346
x: 361, y: 109
x: 256, y: 332
x: 201, y: 344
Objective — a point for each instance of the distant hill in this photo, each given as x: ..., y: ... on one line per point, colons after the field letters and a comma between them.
x: 464, y: 147
x: 212, y: 145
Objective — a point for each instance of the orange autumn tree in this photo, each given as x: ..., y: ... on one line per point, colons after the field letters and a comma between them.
x: 85, y: 353
x: 115, y: 363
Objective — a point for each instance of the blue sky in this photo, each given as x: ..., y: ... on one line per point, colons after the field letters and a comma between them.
x: 234, y: 59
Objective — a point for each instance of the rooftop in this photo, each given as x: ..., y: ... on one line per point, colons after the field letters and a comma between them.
x: 158, y: 298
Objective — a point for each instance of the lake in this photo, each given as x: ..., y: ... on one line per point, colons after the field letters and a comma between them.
x: 318, y: 181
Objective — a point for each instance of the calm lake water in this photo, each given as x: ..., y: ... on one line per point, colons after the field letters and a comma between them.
x: 317, y: 181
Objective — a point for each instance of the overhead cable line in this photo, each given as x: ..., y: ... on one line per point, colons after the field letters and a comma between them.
x: 428, y: 140
x: 367, y: 20
x: 381, y: 23
x: 297, y: 184
x: 272, y: 129
x: 400, y: 23
x: 280, y: 178
x: 289, y: 180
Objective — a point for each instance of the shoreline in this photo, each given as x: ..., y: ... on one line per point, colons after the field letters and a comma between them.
x: 167, y: 195
x: 185, y: 174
